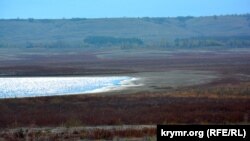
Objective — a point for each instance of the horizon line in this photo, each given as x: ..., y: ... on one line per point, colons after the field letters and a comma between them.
x: 125, y: 17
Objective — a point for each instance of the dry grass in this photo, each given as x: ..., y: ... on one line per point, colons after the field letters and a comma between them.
x: 186, y: 106
x: 78, y: 134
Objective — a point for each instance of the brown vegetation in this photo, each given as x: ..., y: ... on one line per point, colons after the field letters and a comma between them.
x: 224, y: 101
x: 68, y: 134
x: 88, y: 63
x: 187, y: 107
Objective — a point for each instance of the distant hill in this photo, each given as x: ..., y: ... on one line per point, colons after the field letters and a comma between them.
x: 231, y: 30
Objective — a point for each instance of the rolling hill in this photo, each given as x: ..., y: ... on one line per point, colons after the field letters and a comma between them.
x: 151, y: 31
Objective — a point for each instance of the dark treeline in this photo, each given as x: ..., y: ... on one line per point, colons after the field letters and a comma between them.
x: 91, y: 41
x: 199, y: 42
x: 107, y: 40
x: 129, y: 43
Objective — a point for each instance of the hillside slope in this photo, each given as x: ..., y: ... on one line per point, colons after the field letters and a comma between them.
x: 150, y: 30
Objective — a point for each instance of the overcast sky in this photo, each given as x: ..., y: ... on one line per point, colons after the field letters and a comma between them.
x: 119, y: 8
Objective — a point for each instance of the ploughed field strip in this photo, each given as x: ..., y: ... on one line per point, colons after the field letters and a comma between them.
x: 90, y: 63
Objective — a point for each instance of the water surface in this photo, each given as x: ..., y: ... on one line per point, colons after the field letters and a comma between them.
x: 16, y: 87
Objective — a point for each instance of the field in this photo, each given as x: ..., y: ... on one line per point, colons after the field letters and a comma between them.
x: 175, y: 84
x: 192, y: 70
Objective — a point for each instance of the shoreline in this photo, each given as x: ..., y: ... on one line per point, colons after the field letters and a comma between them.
x: 38, y: 87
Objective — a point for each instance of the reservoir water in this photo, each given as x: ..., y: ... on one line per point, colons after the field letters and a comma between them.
x: 17, y: 87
